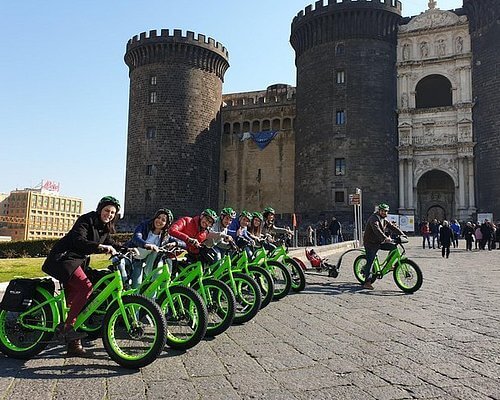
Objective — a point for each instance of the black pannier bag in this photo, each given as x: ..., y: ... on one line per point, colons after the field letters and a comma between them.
x: 19, y: 294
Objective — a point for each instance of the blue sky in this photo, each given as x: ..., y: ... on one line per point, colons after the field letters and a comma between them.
x: 64, y: 85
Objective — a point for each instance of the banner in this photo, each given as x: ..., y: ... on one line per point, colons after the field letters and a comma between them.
x: 262, y: 139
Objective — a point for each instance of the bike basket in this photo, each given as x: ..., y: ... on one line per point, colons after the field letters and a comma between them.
x: 19, y: 294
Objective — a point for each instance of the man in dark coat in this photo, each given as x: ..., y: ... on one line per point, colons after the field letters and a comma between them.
x: 375, y: 238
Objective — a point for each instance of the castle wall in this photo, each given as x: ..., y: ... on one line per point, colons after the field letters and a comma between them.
x: 358, y: 38
x: 484, y: 16
x: 173, y: 146
x: 251, y: 178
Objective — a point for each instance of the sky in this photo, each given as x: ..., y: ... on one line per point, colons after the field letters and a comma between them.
x: 64, y: 85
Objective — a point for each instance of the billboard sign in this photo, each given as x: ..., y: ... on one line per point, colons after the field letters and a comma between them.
x: 50, y: 187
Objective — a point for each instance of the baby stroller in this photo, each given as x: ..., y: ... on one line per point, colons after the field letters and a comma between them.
x: 321, y: 264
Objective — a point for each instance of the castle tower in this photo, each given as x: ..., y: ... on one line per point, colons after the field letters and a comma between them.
x: 346, y: 134
x: 173, y: 147
x: 484, y: 17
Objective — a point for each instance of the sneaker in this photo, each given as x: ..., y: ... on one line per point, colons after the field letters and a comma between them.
x: 368, y: 285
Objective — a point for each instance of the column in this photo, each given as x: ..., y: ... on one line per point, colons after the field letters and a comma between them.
x: 461, y: 183
x: 401, y: 184
x: 410, y: 184
x: 472, y: 203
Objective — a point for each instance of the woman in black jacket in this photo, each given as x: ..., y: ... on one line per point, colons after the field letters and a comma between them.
x: 67, y: 261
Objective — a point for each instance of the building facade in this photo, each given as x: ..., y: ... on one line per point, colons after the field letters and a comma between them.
x: 32, y: 214
x: 402, y: 108
x: 436, y: 144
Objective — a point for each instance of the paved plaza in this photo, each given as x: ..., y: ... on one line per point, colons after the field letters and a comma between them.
x: 332, y: 341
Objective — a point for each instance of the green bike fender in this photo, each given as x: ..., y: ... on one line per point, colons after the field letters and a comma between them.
x: 53, y: 305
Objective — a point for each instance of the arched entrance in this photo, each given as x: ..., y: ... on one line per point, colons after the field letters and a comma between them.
x: 435, y: 196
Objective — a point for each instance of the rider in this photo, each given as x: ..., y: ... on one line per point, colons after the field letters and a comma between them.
x: 218, y: 237
x: 375, y: 238
x: 255, y: 228
x: 68, y: 259
x: 148, y: 237
x: 193, y: 230
x: 238, y: 229
x: 269, y: 229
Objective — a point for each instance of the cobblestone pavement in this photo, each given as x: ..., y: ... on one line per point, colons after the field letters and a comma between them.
x: 332, y: 341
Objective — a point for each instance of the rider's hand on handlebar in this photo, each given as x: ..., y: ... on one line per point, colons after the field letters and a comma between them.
x: 107, y: 249
x: 152, y: 247
x: 194, y: 242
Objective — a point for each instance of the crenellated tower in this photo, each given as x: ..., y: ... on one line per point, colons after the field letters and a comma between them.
x: 484, y: 17
x: 346, y: 129
x: 173, y: 147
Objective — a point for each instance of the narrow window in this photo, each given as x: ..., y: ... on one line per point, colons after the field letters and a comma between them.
x: 225, y: 176
x: 149, y: 170
x: 339, y: 197
x: 340, y: 117
x: 151, y: 132
x: 152, y: 81
x: 340, y: 77
x: 259, y: 175
x: 152, y: 97
x: 339, y: 166
x: 340, y: 49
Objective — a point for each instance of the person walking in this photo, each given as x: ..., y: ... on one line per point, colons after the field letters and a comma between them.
x: 446, y: 236
x: 468, y: 235
x: 434, y: 227
x: 457, y: 231
x: 426, y: 234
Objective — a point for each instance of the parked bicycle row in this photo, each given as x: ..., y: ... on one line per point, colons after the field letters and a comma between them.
x: 173, y: 283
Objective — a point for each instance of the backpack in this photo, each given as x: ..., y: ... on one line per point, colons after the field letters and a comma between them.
x: 20, y: 293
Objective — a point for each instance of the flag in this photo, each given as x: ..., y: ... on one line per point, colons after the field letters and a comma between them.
x: 294, y: 221
x: 262, y: 139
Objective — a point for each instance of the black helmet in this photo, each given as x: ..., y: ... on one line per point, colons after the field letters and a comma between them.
x: 106, y: 201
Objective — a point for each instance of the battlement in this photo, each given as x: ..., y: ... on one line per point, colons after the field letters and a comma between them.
x: 165, y: 36
x: 275, y: 94
x: 327, y: 6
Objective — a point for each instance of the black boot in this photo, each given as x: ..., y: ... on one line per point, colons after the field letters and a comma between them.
x: 75, y: 349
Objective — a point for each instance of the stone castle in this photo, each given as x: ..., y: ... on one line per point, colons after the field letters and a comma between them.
x: 403, y: 108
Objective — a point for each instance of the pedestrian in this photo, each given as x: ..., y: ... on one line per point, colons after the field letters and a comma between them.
x: 310, y: 235
x: 335, y: 229
x: 468, y: 235
x: 68, y: 260
x: 479, y: 237
x: 434, y: 227
x: 446, y: 236
x: 457, y: 231
x: 375, y: 238
x: 426, y: 234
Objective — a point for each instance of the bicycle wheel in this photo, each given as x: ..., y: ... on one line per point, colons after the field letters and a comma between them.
x: 282, y: 279
x: 298, y: 275
x: 265, y: 282
x: 408, y: 276
x: 247, y: 295
x: 17, y: 341
x: 186, y: 317
x: 144, y: 341
x: 221, y: 306
x: 359, y: 266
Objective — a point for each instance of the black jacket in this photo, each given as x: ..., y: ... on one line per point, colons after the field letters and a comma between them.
x: 71, y: 251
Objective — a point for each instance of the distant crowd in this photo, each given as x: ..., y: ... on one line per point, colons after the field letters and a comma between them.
x: 478, y: 236
x: 324, y: 232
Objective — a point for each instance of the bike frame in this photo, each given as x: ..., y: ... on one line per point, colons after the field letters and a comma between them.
x: 394, y: 257
x: 113, y: 290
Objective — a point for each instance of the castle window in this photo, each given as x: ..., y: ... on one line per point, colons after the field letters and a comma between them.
x: 259, y: 175
x: 225, y: 176
x: 340, y: 49
x: 236, y: 128
x: 287, y: 123
x: 256, y: 126
x: 266, y: 125
x: 227, y: 128
x: 276, y: 124
x: 152, y: 80
x: 152, y: 97
x: 147, y: 195
x: 151, y: 132
x: 339, y: 166
x: 340, y: 76
x: 149, y: 169
x: 246, y: 126
x: 339, y: 196
x: 340, y: 117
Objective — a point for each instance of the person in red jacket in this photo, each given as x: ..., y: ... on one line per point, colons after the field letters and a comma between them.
x: 193, y: 230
